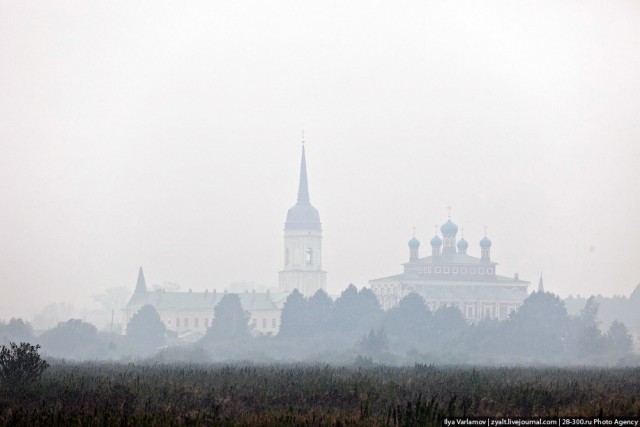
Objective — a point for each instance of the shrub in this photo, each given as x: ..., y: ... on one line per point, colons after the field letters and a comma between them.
x: 74, y: 339
x: 21, y: 363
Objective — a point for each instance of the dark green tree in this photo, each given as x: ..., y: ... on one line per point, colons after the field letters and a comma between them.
x: 539, y: 328
x: 345, y: 310
x: 368, y: 311
x: 319, y: 309
x: 145, y: 331
x: 591, y: 343
x: 409, y: 322
x: 294, y: 320
x: 20, y: 364
x: 230, y: 321
x: 619, y: 341
x: 447, y: 326
x: 368, y: 302
x: 355, y: 313
x: 487, y: 340
x: 589, y: 313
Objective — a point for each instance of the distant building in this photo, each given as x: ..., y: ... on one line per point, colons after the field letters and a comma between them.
x: 451, y: 277
x: 303, y: 244
x: 189, y: 314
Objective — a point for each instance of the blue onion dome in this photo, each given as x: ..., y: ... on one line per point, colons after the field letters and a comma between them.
x: 436, y: 242
x: 414, y: 243
x: 449, y: 228
x: 485, y: 242
x: 462, y: 244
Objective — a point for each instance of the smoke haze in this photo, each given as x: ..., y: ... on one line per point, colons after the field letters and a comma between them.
x: 167, y: 135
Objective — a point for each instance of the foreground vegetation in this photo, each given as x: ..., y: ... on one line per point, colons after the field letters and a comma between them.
x: 139, y: 394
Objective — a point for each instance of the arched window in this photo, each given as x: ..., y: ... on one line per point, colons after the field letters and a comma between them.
x: 309, y: 256
x: 286, y: 256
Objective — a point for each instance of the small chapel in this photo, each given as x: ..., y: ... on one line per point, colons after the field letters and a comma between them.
x: 449, y: 276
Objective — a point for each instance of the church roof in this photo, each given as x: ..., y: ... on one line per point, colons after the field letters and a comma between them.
x: 303, y: 216
x: 462, y: 244
x: 141, y: 284
x: 197, y: 301
x: 448, y: 259
x: 421, y: 279
x: 449, y: 228
x: 140, y: 293
x: 469, y: 292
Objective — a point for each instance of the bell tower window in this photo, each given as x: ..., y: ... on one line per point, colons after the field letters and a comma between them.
x: 309, y: 256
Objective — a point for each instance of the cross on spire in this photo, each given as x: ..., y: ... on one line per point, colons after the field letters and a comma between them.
x: 414, y: 231
x: 436, y: 229
x: 485, y: 231
x: 449, y: 209
x: 303, y: 136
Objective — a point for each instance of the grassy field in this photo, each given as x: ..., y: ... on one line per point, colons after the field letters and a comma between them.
x: 108, y: 394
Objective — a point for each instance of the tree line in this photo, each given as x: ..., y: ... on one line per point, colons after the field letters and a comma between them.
x: 355, y: 327
x: 540, y: 331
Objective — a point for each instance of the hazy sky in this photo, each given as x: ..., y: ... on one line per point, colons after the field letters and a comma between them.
x: 167, y: 135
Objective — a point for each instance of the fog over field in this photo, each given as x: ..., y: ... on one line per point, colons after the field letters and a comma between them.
x: 167, y: 135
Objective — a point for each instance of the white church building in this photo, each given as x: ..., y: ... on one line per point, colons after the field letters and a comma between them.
x: 447, y: 277
x: 189, y: 314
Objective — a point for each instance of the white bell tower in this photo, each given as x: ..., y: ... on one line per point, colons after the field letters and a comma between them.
x: 303, y: 243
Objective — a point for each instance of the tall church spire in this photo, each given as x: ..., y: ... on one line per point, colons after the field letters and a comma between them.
x: 303, y: 186
x: 303, y: 242
x: 303, y: 216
